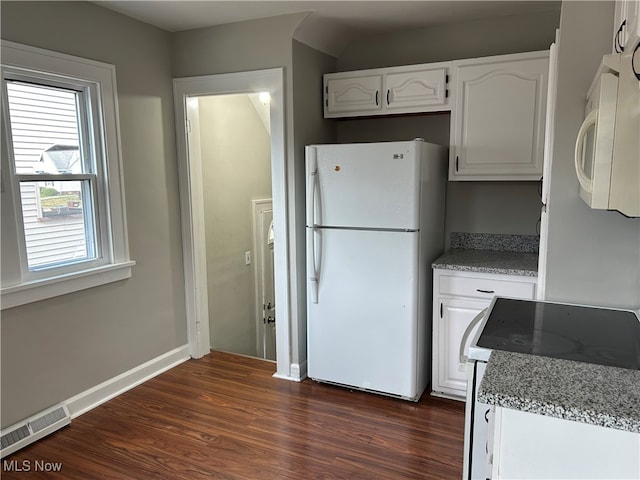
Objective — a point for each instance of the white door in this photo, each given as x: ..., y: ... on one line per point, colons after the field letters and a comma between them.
x: 369, y: 185
x: 268, y: 291
x: 352, y: 94
x: 455, y: 317
x: 499, y: 118
x: 265, y: 315
x: 423, y: 87
x: 362, y: 330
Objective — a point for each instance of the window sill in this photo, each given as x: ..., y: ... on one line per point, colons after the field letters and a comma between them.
x: 28, y: 292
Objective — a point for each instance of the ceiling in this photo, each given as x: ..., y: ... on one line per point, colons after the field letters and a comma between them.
x: 341, y: 21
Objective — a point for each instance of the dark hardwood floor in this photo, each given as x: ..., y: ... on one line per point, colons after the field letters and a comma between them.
x: 225, y: 417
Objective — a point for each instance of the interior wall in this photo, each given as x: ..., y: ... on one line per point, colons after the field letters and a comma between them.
x: 593, y: 255
x: 310, y: 128
x: 475, y: 38
x: 57, y: 348
x: 483, y: 207
x: 236, y: 168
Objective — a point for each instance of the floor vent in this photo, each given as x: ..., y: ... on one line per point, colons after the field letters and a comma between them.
x: 28, y: 431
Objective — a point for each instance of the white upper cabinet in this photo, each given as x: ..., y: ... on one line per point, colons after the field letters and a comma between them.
x: 626, y: 27
x: 498, y: 116
x: 352, y: 94
x: 387, y: 91
x: 415, y: 90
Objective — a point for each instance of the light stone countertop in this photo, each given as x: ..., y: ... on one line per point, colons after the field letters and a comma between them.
x: 489, y: 261
x: 582, y: 392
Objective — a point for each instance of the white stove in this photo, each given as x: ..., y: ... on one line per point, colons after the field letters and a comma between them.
x: 604, y: 336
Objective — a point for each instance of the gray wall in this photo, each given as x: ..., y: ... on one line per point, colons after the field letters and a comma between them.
x: 478, y: 38
x: 236, y: 168
x: 490, y: 207
x: 57, y: 348
x: 310, y: 128
x: 593, y: 256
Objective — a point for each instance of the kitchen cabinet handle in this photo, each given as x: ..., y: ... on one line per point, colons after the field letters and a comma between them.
x: 465, y: 336
x: 388, y: 93
x: 485, y: 291
x: 377, y: 94
x: 441, y: 310
x: 456, y: 163
x: 617, y: 43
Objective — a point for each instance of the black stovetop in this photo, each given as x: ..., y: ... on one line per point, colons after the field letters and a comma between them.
x: 571, y: 332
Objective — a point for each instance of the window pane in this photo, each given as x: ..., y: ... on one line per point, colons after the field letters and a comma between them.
x: 57, y: 222
x: 44, y: 128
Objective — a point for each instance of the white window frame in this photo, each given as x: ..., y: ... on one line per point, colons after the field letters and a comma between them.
x: 98, y: 82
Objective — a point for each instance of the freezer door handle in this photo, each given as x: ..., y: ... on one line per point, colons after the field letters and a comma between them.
x: 312, y: 165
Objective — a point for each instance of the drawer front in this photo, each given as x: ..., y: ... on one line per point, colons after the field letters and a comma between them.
x: 487, y: 287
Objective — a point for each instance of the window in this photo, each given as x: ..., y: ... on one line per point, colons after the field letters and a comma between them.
x: 61, y: 175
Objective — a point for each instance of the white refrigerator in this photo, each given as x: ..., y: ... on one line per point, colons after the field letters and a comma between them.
x: 375, y: 222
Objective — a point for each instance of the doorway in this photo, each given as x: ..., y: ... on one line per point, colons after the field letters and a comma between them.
x: 187, y: 91
x: 235, y: 149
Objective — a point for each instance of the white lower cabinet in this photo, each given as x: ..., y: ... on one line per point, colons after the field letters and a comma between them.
x: 458, y: 298
x: 457, y: 314
x: 530, y: 446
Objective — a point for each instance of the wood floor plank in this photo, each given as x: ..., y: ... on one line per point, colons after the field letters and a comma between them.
x: 225, y: 417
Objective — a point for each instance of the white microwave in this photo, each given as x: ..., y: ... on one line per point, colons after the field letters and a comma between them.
x: 607, y: 151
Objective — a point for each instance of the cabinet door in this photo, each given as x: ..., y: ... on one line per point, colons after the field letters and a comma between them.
x: 626, y: 28
x: 454, y: 317
x: 411, y: 91
x: 352, y: 95
x: 498, y: 119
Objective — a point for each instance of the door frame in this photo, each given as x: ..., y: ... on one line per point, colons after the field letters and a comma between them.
x: 186, y: 90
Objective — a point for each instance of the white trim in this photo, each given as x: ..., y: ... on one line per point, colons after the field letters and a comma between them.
x: 27, y: 292
x: 95, y: 396
x: 192, y: 209
x: 552, y: 88
x: 298, y: 372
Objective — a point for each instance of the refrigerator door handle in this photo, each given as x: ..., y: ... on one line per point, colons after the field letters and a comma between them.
x: 313, y: 278
x: 312, y: 161
x: 314, y: 289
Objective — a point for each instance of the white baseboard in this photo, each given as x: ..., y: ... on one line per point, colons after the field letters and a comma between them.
x: 85, y: 401
x: 298, y: 372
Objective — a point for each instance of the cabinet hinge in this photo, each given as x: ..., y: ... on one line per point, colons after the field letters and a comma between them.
x: 446, y: 79
x: 326, y: 89
x: 446, y: 93
x: 326, y: 102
